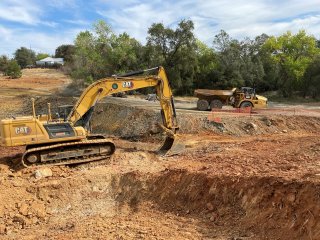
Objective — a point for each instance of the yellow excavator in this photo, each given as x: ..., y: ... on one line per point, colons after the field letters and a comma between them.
x: 67, y: 139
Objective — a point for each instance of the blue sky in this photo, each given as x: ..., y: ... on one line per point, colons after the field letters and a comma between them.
x: 45, y: 24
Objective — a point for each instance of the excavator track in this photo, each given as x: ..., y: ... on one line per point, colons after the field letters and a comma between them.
x: 69, y: 153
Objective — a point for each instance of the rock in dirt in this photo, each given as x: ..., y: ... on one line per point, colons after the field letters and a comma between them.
x: 214, y: 217
x: 2, y: 229
x: 38, y: 209
x: 267, y: 121
x: 19, y: 219
x: 17, y: 184
x: 253, y: 126
x: 210, y: 207
x: 24, y: 209
x: 43, y: 173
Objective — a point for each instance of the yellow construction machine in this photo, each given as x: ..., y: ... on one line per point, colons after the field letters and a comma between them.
x: 67, y: 139
x: 238, y: 98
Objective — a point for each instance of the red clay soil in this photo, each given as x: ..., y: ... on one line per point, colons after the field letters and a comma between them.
x: 221, y: 187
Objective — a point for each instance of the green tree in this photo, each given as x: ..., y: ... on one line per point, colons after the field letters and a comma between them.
x: 239, y: 63
x: 176, y: 50
x: 86, y: 58
x: 4, y: 61
x: 100, y: 53
x: 293, y: 53
x: 40, y: 56
x: 287, y: 62
x: 271, y: 78
x: 311, y: 79
x: 228, y: 72
x: 24, y: 57
x: 206, y: 66
x: 65, y: 51
x: 13, y: 69
x: 126, y: 53
x: 252, y: 70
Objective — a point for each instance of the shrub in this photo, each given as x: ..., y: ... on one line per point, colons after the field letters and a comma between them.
x: 13, y: 70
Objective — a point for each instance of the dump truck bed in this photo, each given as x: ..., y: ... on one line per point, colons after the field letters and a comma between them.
x: 209, y: 92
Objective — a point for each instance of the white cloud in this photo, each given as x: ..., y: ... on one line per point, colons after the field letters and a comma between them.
x: 19, y: 11
x: 128, y: 20
x: 62, y: 4
x: 5, y: 33
x: 239, y: 18
x: 246, y: 18
x: 27, y: 12
x: 38, y: 41
x: 49, y: 23
x: 310, y: 24
x: 77, y: 22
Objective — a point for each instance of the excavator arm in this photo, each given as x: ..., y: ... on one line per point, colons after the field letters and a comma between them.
x: 82, y: 112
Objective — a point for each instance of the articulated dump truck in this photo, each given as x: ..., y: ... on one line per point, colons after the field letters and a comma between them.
x: 238, y: 98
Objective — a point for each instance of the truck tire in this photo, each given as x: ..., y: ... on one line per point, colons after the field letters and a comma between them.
x: 216, y: 103
x: 245, y: 104
x: 202, y: 105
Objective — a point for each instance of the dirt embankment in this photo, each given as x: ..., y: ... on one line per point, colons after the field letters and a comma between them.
x: 254, y: 208
x: 134, y: 122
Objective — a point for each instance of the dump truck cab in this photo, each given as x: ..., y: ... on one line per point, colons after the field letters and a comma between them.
x: 247, y: 97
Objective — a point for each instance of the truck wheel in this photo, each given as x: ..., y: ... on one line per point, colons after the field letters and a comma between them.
x: 245, y: 104
x: 216, y: 103
x: 202, y: 105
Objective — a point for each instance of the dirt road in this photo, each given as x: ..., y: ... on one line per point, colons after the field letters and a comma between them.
x: 248, y: 177
x: 188, y: 105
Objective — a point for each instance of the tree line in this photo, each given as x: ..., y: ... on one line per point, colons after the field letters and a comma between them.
x: 23, y: 58
x: 288, y: 64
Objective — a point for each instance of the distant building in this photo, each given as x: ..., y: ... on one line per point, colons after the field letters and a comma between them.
x: 49, y: 61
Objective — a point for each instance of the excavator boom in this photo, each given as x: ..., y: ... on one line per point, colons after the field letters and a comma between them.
x: 81, y: 114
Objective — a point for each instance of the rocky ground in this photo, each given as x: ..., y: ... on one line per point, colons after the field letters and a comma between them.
x: 239, y: 177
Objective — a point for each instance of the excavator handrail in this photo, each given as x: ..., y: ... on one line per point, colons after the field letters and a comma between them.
x: 137, y: 72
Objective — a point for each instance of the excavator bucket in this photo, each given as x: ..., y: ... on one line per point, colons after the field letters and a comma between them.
x: 171, y: 146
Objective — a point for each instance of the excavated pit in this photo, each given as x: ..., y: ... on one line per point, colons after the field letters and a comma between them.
x: 234, y: 207
x: 141, y: 195
x: 134, y: 205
